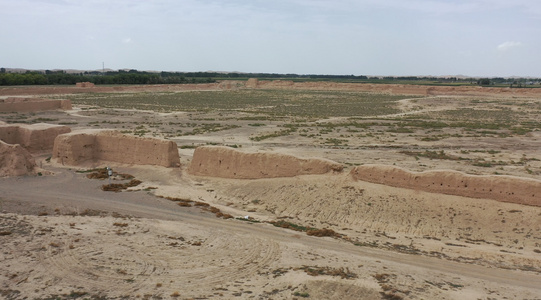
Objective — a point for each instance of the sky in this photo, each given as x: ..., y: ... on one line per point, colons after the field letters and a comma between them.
x: 483, y: 38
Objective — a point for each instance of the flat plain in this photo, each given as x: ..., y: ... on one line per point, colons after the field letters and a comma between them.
x: 66, y: 238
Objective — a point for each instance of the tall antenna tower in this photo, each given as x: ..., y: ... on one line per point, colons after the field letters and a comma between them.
x: 103, y: 67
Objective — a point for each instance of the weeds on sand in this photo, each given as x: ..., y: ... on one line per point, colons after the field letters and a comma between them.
x: 309, y: 230
x: 117, y: 187
x: 343, y: 273
x: 388, y: 291
x: 321, y: 232
x: 303, y: 294
x: 202, y: 205
x: 289, y: 225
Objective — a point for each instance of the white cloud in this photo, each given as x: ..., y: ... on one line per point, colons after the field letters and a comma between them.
x: 126, y: 40
x: 504, y: 47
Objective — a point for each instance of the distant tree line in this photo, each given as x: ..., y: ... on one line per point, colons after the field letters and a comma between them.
x: 143, y: 77
x: 111, y: 77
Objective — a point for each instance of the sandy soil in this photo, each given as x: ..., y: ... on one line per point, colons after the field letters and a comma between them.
x: 63, y: 237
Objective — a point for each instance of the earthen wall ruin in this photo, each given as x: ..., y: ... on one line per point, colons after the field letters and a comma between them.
x: 34, y: 137
x: 402, y: 89
x: 15, y: 104
x: 397, y: 89
x: 15, y: 160
x: 252, y: 83
x: 225, y: 162
x: 84, y: 84
x: 79, y: 147
x: 500, y: 188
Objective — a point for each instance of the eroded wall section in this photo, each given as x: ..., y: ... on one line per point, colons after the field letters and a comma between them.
x: 34, y: 137
x: 395, y: 89
x: 15, y: 104
x: 15, y: 160
x: 225, y: 162
x: 83, y: 146
x: 500, y: 188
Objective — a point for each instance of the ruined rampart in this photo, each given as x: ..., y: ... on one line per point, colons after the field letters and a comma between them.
x: 15, y: 160
x: 84, y: 146
x: 15, y: 104
x: 252, y: 83
x: 85, y: 85
x: 394, y: 89
x: 226, y: 162
x: 62, y: 90
x: 34, y: 137
x: 399, y: 89
x: 500, y: 188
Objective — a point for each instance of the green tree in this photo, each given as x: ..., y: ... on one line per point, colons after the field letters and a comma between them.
x: 483, y: 81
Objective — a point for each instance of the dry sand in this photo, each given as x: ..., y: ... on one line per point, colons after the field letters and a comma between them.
x: 61, y: 236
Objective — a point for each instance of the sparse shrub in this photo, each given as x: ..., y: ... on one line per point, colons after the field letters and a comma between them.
x: 301, y: 294
x: 321, y: 232
x: 339, y: 272
x: 224, y: 216
x: 117, y: 187
x: 382, y: 277
x: 289, y: 225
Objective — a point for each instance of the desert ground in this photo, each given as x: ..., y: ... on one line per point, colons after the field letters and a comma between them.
x: 63, y: 237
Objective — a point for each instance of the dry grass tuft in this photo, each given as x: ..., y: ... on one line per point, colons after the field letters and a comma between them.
x: 321, y: 232
x: 343, y: 273
x: 117, y: 187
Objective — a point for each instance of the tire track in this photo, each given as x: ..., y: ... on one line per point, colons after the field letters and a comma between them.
x: 143, y: 256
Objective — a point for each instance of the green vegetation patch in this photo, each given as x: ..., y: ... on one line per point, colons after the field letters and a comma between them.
x: 276, y: 103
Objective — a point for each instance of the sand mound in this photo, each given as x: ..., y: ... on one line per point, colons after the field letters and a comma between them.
x: 226, y: 162
x: 15, y: 160
x: 500, y: 188
x: 32, y: 104
x: 96, y: 145
x: 35, y: 137
x: 342, y: 202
